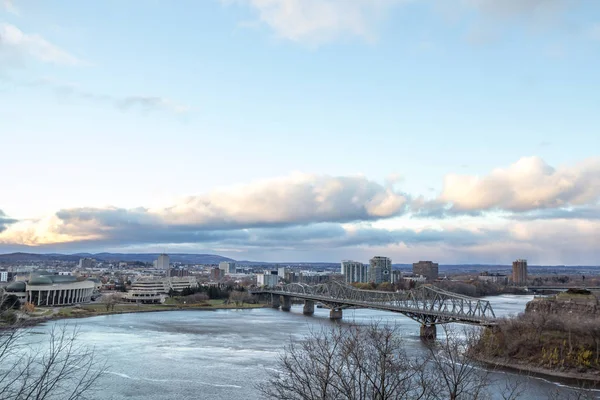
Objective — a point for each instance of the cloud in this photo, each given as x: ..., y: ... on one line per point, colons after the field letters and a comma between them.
x: 16, y: 46
x: 528, y: 209
x: 144, y: 103
x: 5, y: 221
x: 299, y: 199
x: 529, y: 184
x: 320, y: 21
x: 315, y: 22
x: 9, y: 6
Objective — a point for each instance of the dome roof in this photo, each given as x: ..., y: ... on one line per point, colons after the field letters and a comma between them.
x: 40, y: 280
x: 18, y: 286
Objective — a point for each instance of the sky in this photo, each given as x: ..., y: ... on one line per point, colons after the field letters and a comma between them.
x: 458, y: 131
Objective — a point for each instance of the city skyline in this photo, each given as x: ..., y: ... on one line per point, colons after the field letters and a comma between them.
x: 303, y: 130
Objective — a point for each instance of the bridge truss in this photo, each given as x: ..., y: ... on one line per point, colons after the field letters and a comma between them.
x: 427, y: 304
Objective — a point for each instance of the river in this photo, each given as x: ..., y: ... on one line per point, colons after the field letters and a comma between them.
x: 222, y: 354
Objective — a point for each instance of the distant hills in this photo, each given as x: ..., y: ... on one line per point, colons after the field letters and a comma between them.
x: 113, y: 257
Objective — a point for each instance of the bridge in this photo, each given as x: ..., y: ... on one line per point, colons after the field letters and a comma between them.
x: 427, y: 305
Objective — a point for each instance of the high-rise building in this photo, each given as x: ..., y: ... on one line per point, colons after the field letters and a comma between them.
x: 426, y: 268
x: 519, y: 272
x: 216, y: 274
x: 162, y: 262
x: 380, y: 269
x: 228, y: 267
x: 354, y: 271
x: 86, y: 263
x: 267, y: 278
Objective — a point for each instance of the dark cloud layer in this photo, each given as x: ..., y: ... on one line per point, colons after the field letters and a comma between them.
x: 5, y: 221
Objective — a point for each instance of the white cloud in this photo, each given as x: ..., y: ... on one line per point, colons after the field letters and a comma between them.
x: 18, y: 44
x: 528, y: 184
x: 320, y: 21
x: 9, y: 6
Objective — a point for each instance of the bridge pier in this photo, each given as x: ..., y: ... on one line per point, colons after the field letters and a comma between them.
x: 275, y: 301
x: 309, y: 307
x: 287, y: 303
x: 335, y: 313
x: 428, y: 332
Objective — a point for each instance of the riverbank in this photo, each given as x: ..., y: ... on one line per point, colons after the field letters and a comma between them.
x: 556, y: 337
x: 43, y: 315
x: 564, y: 377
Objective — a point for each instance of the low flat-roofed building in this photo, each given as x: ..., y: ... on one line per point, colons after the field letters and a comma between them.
x: 52, y: 290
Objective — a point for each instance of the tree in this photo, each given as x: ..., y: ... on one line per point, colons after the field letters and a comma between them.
x: 453, y: 370
x: 9, y: 301
x: 347, y: 363
x: 110, y: 301
x: 61, y: 370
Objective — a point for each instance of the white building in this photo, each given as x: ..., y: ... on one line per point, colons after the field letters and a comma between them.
x: 3, y: 276
x: 354, y: 271
x: 52, y: 290
x: 155, y: 290
x: 267, y: 278
x: 86, y: 263
x: 228, y: 267
x: 162, y: 262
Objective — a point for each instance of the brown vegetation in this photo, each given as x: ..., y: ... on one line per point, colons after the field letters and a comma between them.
x: 557, y: 342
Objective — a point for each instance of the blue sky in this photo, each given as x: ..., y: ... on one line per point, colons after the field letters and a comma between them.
x: 458, y: 130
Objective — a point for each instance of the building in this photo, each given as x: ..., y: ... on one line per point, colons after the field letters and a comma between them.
x: 354, y: 271
x: 500, y: 279
x: 178, y: 272
x: 52, y: 290
x: 149, y: 290
x: 396, y: 276
x: 426, y: 268
x: 519, y: 272
x: 3, y: 276
x: 86, y: 263
x: 267, y: 278
x: 281, y: 271
x: 162, y: 262
x: 216, y: 274
x: 380, y: 269
x: 228, y: 267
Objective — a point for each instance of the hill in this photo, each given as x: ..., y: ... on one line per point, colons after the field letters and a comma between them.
x: 113, y: 257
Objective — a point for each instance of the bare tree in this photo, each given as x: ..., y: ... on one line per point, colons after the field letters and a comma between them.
x: 355, y: 362
x: 110, y: 301
x: 454, y: 372
x: 62, y: 369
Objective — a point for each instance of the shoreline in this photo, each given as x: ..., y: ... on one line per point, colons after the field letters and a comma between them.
x: 33, y: 321
x: 565, y: 377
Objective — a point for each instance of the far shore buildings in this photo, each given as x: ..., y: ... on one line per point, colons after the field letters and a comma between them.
x: 152, y: 290
x: 163, y: 262
x: 228, y: 267
x: 354, y: 271
x: 268, y: 278
x: 426, y: 268
x: 380, y: 269
x: 52, y: 290
x: 519, y: 272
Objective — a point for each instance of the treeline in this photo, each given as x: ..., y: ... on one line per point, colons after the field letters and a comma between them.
x: 213, y: 292
x: 477, y: 288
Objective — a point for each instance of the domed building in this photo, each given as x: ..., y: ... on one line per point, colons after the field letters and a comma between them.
x: 52, y: 290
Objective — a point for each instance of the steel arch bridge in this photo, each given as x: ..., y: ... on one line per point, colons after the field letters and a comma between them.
x: 427, y: 305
